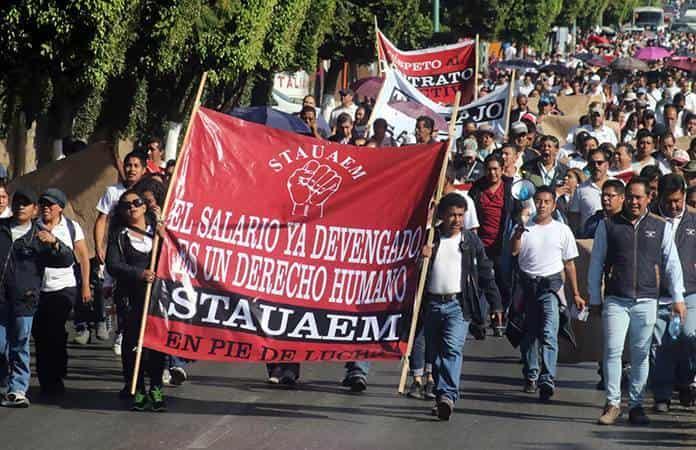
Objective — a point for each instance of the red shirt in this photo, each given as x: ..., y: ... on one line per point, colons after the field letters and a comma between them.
x: 154, y: 168
x: 491, y: 207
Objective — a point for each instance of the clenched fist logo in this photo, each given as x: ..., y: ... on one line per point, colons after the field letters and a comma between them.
x: 310, y: 186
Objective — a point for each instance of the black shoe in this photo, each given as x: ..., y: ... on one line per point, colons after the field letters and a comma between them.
x: 661, y: 407
x: 429, y: 390
x: 179, y: 376
x: 530, y: 387
x: 124, y: 394
x: 416, y: 391
x: 637, y: 416
x: 545, y: 392
x: 288, y: 378
x: 686, y: 397
x: 53, y: 389
x: 357, y: 384
x: 445, y: 407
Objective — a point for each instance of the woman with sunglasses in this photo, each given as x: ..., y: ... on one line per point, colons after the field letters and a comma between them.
x: 128, y: 259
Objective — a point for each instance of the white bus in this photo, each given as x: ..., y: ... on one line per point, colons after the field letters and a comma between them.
x: 649, y: 18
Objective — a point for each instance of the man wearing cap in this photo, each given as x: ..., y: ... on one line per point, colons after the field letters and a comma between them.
x: 59, y: 290
x: 518, y: 135
x: 347, y: 106
x: 25, y: 252
x: 485, y: 137
x: 597, y: 128
x: 689, y: 172
x: 468, y: 168
x: 595, y: 89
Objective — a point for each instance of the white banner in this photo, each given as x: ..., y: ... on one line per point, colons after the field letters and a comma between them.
x: 396, y: 90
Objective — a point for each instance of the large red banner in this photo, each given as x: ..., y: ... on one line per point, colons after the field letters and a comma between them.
x: 438, y: 72
x: 282, y: 247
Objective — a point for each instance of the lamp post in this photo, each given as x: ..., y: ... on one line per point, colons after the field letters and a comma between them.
x: 436, y: 16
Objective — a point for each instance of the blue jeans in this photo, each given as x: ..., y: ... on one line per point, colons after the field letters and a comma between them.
x: 669, y: 364
x: 541, y: 339
x: 357, y: 369
x: 445, y: 332
x: 619, y: 317
x: 14, y: 345
x: 416, y: 362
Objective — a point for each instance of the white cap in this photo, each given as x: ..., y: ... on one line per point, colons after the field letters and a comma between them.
x: 595, y: 79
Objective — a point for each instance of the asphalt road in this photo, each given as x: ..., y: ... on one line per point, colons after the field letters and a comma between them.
x: 231, y: 407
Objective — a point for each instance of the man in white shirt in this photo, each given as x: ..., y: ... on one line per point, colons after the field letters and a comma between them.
x: 587, y: 199
x: 457, y: 257
x: 597, y: 128
x: 689, y: 96
x: 59, y: 290
x: 347, y: 106
x: 544, y: 249
x: 134, y: 165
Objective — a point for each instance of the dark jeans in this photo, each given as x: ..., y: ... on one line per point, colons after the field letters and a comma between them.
x: 152, y: 362
x: 50, y: 337
x: 501, y: 280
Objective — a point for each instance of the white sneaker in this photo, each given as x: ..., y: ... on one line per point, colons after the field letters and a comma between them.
x: 117, y: 344
x: 15, y: 400
x: 82, y: 337
x: 179, y: 376
x: 166, y: 377
x: 102, y: 331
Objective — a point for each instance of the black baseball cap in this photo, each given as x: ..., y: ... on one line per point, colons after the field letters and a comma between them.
x: 55, y: 196
x: 26, y: 193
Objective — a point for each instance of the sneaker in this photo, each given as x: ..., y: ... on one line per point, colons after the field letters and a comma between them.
x: 82, y: 337
x: 288, y: 378
x: 166, y: 377
x: 429, y: 390
x: 157, y: 399
x: 530, y: 386
x: 445, y: 407
x: 274, y: 377
x: 179, y: 376
x: 416, y: 391
x: 636, y: 416
x: 499, y: 331
x: 141, y: 402
x: 15, y: 400
x: 609, y: 415
x: 661, y: 407
x: 546, y: 391
x: 117, y: 344
x: 102, y: 331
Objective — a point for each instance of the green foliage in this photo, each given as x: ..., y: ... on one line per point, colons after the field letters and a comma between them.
x: 352, y: 33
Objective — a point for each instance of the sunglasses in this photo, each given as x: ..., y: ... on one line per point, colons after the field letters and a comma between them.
x: 137, y: 203
x: 597, y: 163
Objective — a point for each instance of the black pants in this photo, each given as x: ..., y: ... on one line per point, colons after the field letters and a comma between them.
x: 50, y: 336
x: 152, y: 361
x: 500, y: 281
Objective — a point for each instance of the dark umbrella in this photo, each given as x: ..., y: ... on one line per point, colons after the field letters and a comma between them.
x: 597, y: 61
x: 518, y: 64
x: 415, y: 109
x: 683, y: 64
x: 560, y: 69
x: 368, y: 87
x: 265, y: 115
x: 583, y: 56
x: 629, y: 64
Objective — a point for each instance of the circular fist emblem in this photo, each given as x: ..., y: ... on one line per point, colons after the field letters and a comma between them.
x: 310, y: 186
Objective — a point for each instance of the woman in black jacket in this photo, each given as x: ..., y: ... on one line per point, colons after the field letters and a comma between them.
x: 127, y: 260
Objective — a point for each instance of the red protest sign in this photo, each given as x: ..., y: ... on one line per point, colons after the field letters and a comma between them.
x: 281, y: 247
x: 438, y: 72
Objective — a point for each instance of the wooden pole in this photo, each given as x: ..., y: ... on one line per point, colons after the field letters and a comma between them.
x: 431, y: 236
x: 155, y: 242
x: 508, y: 109
x: 476, y: 70
x: 379, y: 57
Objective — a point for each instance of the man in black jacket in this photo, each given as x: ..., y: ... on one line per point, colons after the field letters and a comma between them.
x: 546, y: 170
x: 25, y: 251
x: 452, y: 300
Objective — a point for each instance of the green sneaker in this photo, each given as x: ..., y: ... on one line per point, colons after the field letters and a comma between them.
x: 141, y: 402
x: 157, y: 398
